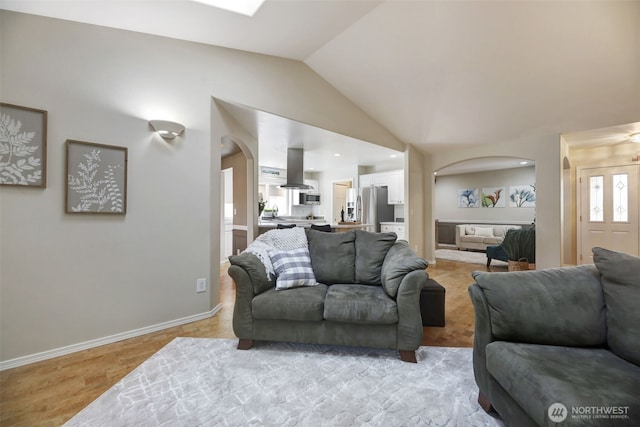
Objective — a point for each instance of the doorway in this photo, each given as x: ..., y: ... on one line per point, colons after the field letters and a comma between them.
x: 339, y: 199
x: 226, y: 230
x: 608, y: 209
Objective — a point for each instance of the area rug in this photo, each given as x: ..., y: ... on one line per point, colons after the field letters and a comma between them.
x: 207, y: 382
x: 467, y: 256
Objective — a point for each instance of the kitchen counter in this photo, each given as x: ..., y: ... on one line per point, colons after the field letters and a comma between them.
x: 266, y: 225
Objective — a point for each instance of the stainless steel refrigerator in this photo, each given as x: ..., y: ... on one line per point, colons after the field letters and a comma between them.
x: 372, y: 207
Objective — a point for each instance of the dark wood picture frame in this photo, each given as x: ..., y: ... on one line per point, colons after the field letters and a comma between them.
x: 23, y: 146
x: 96, y: 178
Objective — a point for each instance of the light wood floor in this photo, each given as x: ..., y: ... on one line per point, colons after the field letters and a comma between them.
x: 49, y: 393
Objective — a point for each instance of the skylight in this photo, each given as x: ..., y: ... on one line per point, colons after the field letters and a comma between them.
x: 243, y: 7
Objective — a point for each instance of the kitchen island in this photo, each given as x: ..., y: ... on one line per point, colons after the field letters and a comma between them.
x: 269, y: 224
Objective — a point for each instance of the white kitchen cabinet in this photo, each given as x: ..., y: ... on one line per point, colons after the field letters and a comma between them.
x: 381, y: 179
x: 398, y: 228
x: 395, y: 186
x: 365, y: 180
x: 393, y: 180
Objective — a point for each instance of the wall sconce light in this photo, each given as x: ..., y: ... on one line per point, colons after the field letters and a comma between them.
x: 166, y: 129
x: 635, y: 137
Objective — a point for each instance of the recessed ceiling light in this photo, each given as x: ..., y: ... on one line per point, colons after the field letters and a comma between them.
x: 393, y: 156
x: 435, y: 173
x: 524, y: 162
x: 635, y: 137
x: 243, y: 7
x: 337, y: 154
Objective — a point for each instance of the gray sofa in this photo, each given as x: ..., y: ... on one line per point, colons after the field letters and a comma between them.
x: 368, y: 295
x: 560, y: 346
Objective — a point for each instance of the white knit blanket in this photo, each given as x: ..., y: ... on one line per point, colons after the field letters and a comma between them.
x: 284, y: 239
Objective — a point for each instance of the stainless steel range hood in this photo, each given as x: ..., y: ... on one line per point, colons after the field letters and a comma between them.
x: 295, y: 170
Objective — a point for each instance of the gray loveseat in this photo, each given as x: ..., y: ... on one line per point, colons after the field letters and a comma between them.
x: 368, y: 295
x: 560, y: 346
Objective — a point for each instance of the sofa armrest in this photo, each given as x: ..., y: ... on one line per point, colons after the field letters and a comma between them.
x: 461, y: 230
x: 408, y: 303
x: 399, y: 261
x: 250, y: 277
x: 482, y: 336
x: 242, y: 316
x: 560, y: 306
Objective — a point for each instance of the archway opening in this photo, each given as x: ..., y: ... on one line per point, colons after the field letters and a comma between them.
x: 486, y: 190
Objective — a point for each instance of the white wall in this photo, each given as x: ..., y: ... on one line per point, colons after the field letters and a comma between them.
x: 417, y: 202
x: 67, y: 279
x: 446, y: 189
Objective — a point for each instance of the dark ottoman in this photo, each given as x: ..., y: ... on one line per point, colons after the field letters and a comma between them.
x: 432, y: 304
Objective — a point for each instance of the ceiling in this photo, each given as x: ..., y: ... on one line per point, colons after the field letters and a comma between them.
x: 437, y: 74
x: 287, y: 28
x: 323, y: 149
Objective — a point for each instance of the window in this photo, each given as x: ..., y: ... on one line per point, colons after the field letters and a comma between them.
x: 276, y: 197
x: 620, y: 198
x: 596, y: 198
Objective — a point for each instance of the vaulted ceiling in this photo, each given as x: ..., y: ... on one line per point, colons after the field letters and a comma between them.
x: 437, y: 74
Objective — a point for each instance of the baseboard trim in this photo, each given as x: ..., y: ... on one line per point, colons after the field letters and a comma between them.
x: 61, y: 351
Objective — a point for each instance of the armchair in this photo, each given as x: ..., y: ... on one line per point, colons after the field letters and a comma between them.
x: 565, y: 338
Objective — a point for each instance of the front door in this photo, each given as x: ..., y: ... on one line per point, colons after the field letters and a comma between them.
x: 608, y: 210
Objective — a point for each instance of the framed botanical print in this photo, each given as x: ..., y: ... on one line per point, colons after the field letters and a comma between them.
x: 468, y: 198
x: 492, y: 197
x: 522, y: 196
x: 23, y: 146
x: 96, y: 178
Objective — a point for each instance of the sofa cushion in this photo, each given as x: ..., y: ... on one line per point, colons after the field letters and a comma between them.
x: 255, y: 268
x: 484, y: 231
x: 333, y: 256
x: 399, y: 261
x: 491, y: 240
x: 293, y: 268
x: 562, y: 306
x: 499, y: 231
x: 469, y: 238
x: 371, y: 248
x: 359, y: 304
x: 536, y: 376
x: 302, y: 304
x: 621, y: 285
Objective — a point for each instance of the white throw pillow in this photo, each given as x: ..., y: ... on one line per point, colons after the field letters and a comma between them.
x: 484, y: 231
x: 293, y: 268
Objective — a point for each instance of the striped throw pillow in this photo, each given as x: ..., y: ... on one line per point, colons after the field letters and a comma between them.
x: 293, y: 268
